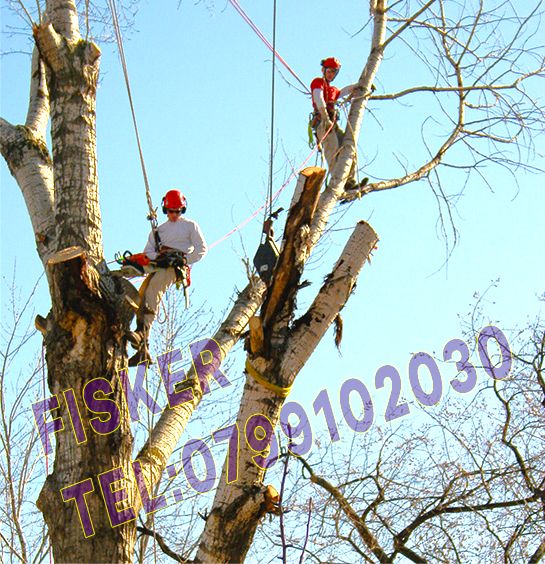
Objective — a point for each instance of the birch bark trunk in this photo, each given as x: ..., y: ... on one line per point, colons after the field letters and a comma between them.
x: 83, y: 333
x: 85, y: 328
x: 238, y: 507
x: 84, y: 340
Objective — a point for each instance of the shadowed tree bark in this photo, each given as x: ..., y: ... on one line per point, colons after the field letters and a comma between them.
x: 84, y: 331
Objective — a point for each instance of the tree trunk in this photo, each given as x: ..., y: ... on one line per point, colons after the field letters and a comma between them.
x: 84, y: 330
x: 242, y: 499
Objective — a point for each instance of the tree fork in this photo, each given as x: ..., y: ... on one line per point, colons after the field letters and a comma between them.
x: 238, y: 507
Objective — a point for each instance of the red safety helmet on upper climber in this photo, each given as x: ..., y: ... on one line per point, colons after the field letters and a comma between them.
x: 331, y: 63
x: 174, y: 200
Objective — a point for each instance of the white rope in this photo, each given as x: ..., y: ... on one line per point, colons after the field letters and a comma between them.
x: 152, y: 214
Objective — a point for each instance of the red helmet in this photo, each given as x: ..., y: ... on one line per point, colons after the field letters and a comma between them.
x: 174, y: 200
x: 331, y: 63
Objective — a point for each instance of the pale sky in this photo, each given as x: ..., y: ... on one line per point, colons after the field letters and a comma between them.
x: 201, y: 85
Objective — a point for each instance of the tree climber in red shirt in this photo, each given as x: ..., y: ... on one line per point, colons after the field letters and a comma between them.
x: 325, y: 117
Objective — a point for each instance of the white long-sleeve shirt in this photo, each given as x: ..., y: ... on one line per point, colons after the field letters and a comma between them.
x: 183, y: 235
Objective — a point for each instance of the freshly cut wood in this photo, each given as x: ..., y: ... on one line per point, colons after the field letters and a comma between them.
x: 286, y: 275
x: 256, y: 335
x: 66, y: 255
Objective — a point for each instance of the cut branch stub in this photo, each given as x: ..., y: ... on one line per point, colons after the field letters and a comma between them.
x: 256, y: 335
x: 289, y: 267
x: 72, y: 273
x: 73, y: 282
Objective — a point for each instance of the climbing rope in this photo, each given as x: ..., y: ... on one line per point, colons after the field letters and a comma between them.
x: 258, y: 32
x: 152, y: 216
x: 256, y: 212
x: 293, y: 174
x: 271, y: 156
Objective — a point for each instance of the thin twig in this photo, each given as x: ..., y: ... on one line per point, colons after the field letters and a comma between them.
x: 161, y: 542
x: 301, y: 559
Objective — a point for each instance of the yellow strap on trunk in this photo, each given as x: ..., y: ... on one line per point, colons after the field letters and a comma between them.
x: 278, y: 390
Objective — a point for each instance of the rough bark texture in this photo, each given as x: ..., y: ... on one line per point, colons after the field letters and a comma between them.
x: 165, y: 435
x: 84, y: 340
x: 82, y: 344
x: 239, y: 506
x: 83, y: 332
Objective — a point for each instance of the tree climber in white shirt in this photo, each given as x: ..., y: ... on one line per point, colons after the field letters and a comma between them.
x: 181, y: 243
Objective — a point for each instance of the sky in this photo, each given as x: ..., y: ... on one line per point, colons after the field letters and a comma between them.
x: 201, y: 83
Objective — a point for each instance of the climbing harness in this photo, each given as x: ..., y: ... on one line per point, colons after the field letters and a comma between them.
x: 139, y: 264
x: 152, y: 217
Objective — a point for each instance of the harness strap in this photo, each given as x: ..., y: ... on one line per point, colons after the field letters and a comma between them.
x: 278, y: 390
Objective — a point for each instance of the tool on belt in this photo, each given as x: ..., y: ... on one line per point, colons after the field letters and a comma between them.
x: 139, y: 264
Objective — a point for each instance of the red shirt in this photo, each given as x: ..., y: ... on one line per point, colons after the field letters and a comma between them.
x: 330, y: 93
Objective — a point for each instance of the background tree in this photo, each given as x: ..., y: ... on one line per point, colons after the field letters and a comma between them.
x: 464, y: 483
x: 481, y: 96
x: 23, y: 533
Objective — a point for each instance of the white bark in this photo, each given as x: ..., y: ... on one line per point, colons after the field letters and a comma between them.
x: 30, y: 164
x: 232, y: 522
x: 330, y: 300
x: 38, y: 107
x: 74, y: 68
x: 82, y: 339
x: 171, y: 425
x: 63, y: 14
x: 29, y: 161
x: 238, y: 506
x: 357, y: 109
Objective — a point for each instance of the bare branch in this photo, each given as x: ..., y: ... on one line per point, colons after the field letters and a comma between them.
x: 407, y: 23
x: 161, y: 542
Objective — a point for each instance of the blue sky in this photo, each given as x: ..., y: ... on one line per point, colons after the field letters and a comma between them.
x: 201, y: 85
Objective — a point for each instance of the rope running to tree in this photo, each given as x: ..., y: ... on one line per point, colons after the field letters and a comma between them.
x: 258, y: 32
x: 271, y: 156
x: 152, y: 214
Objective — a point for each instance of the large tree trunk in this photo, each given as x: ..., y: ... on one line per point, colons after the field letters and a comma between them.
x: 239, y: 506
x: 83, y: 333
x: 82, y: 344
x: 280, y: 346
